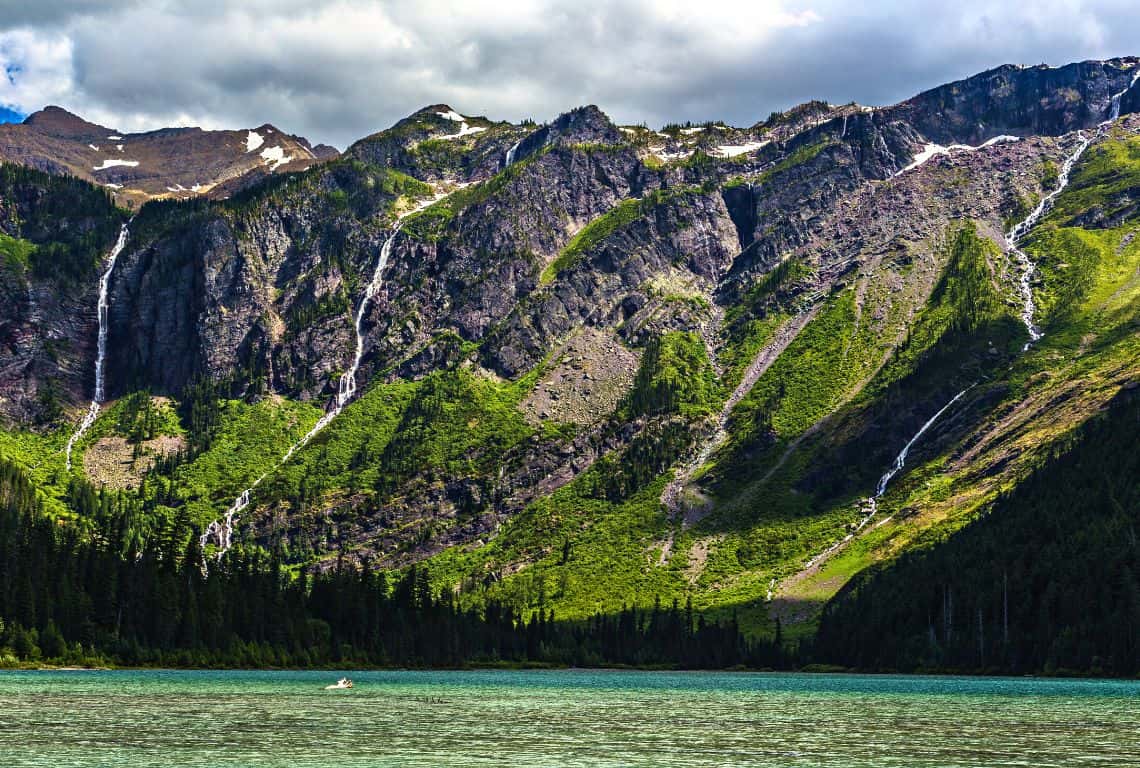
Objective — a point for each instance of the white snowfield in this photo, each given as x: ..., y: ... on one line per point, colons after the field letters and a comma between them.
x: 93, y: 147
x: 109, y: 163
x: 275, y: 157
x: 691, y: 131
x: 464, y: 128
x: 664, y: 156
x: 253, y: 140
x: 934, y: 150
x: 114, y: 138
x: 733, y: 150
x: 452, y: 115
x: 110, y: 185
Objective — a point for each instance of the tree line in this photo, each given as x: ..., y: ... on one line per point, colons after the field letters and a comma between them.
x: 118, y: 590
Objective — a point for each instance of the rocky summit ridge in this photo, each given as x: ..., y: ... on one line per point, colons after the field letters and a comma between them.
x: 170, y: 163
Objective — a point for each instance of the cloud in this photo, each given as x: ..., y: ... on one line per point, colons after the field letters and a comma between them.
x: 335, y: 70
x: 36, y: 67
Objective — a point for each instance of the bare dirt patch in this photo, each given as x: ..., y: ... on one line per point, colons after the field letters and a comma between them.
x: 115, y: 463
x: 589, y: 375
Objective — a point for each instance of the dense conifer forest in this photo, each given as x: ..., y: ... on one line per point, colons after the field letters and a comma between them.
x: 107, y: 597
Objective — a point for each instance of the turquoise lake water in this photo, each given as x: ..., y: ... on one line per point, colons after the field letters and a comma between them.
x: 561, y: 718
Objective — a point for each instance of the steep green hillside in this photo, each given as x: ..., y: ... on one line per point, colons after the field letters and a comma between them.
x: 1046, y: 580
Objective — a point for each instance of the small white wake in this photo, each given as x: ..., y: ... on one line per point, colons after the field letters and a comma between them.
x: 101, y: 345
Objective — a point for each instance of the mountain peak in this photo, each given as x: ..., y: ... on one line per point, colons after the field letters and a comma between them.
x: 587, y: 124
x: 57, y: 121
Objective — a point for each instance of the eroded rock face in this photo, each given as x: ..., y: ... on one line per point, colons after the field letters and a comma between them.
x: 250, y: 296
x: 55, y: 233
x: 1022, y: 101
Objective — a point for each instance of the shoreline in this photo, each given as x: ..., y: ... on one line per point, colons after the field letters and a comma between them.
x: 811, y: 669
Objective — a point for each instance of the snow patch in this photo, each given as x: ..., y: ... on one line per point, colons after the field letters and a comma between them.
x: 934, y: 150
x: 109, y: 185
x: 109, y: 163
x: 119, y: 147
x: 691, y: 131
x: 275, y: 157
x: 667, y: 157
x: 464, y: 130
x: 114, y: 138
x: 452, y: 115
x: 93, y: 147
x: 732, y: 150
x: 253, y: 140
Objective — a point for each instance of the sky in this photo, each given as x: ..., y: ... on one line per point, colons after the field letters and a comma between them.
x: 337, y: 70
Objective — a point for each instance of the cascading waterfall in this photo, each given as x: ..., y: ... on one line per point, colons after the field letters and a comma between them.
x: 101, y: 345
x: 1019, y: 231
x: 900, y: 460
x: 511, y: 154
x: 870, y: 505
x: 1028, y: 310
x: 1114, y: 104
x: 1025, y: 292
x: 221, y: 531
x: 1022, y: 228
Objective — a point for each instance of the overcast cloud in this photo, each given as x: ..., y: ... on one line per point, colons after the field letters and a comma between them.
x: 337, y: 70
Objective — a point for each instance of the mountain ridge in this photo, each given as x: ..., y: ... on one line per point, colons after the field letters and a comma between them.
x: 158, y: 164
x: 577, y: 322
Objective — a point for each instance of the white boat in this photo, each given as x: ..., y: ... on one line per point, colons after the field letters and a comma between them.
x: 341, y: 684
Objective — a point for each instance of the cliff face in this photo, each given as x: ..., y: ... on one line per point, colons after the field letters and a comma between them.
x: 695, y: 348
x: 1040, y: 101
x: 53, y: 234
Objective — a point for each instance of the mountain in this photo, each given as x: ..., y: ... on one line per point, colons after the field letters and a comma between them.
x: 780, y: 372
x: 169, y: 163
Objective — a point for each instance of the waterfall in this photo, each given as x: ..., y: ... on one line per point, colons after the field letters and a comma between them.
x: 221, y: 531
x: 101, y: 345
x: 1114, y: 104
x: 900, y: 460
x: 869, y: 505
x: 1021, y: 229
x: 511, y: 154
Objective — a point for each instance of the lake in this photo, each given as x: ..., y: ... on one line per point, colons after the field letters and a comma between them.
x: 558, y: 718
